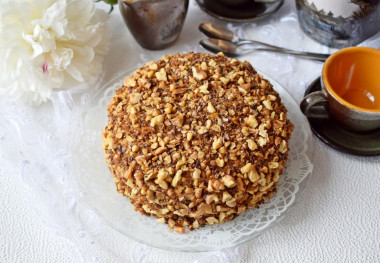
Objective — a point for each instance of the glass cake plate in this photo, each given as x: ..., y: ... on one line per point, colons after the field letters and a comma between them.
x: 98, y: 189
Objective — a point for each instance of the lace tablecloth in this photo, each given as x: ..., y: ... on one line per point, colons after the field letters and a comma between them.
x: 42, y: 219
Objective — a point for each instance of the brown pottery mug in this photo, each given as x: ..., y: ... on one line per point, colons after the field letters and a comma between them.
x: 350, y: 90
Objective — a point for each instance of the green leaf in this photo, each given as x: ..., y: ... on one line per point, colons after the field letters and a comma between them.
x: 111, y: 2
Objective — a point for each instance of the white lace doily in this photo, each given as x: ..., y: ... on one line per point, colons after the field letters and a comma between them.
x: 98, y: 188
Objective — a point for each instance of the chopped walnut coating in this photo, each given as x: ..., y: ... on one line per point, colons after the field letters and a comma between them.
x: 195, y: 139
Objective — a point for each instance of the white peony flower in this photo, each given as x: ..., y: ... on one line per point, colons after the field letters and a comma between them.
x: 50, y: 44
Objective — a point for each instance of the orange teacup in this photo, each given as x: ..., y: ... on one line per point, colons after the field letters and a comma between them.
x: 351, y: 89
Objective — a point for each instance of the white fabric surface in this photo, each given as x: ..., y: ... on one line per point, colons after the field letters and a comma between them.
x: 336, y: 220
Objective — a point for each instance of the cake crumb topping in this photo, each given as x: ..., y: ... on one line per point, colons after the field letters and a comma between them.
x: 196, y: 139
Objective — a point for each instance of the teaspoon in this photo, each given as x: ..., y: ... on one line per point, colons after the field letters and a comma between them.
x: 232, y: 50
x: 220, y: 32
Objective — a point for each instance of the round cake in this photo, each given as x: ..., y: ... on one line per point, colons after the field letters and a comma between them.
x: 196, y: 139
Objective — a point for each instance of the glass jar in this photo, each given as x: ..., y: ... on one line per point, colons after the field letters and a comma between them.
x: 339, y: 23
x: 155, y: 24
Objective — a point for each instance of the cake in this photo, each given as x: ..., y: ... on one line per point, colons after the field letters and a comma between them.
x: 196, y: 139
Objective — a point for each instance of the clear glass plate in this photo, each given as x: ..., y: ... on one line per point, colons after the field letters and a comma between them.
x: 98, y: 189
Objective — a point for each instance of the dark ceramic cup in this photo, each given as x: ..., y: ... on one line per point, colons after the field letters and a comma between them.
x: 350, y: 90
x: 233, y: 2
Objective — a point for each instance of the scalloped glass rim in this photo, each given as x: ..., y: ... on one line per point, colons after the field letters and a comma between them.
x: 98, y: 190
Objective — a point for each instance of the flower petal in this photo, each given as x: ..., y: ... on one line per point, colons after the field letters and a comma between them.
x: 47, y: 45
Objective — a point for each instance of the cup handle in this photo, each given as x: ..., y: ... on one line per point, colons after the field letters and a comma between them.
x: 314, y: 105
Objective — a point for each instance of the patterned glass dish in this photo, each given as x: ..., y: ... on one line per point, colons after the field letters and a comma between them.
x: 98, y: 189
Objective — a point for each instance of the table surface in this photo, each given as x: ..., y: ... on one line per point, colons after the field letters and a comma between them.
x: 336, y: 220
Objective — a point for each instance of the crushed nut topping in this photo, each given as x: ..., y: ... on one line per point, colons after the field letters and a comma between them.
x: 195, y: 139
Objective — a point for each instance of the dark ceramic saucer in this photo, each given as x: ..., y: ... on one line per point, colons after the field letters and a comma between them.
x: 248, y: 12
x: 363, y: 143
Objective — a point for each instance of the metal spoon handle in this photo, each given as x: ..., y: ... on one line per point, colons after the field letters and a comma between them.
x: 309, y: 55
x: 255, y: 42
